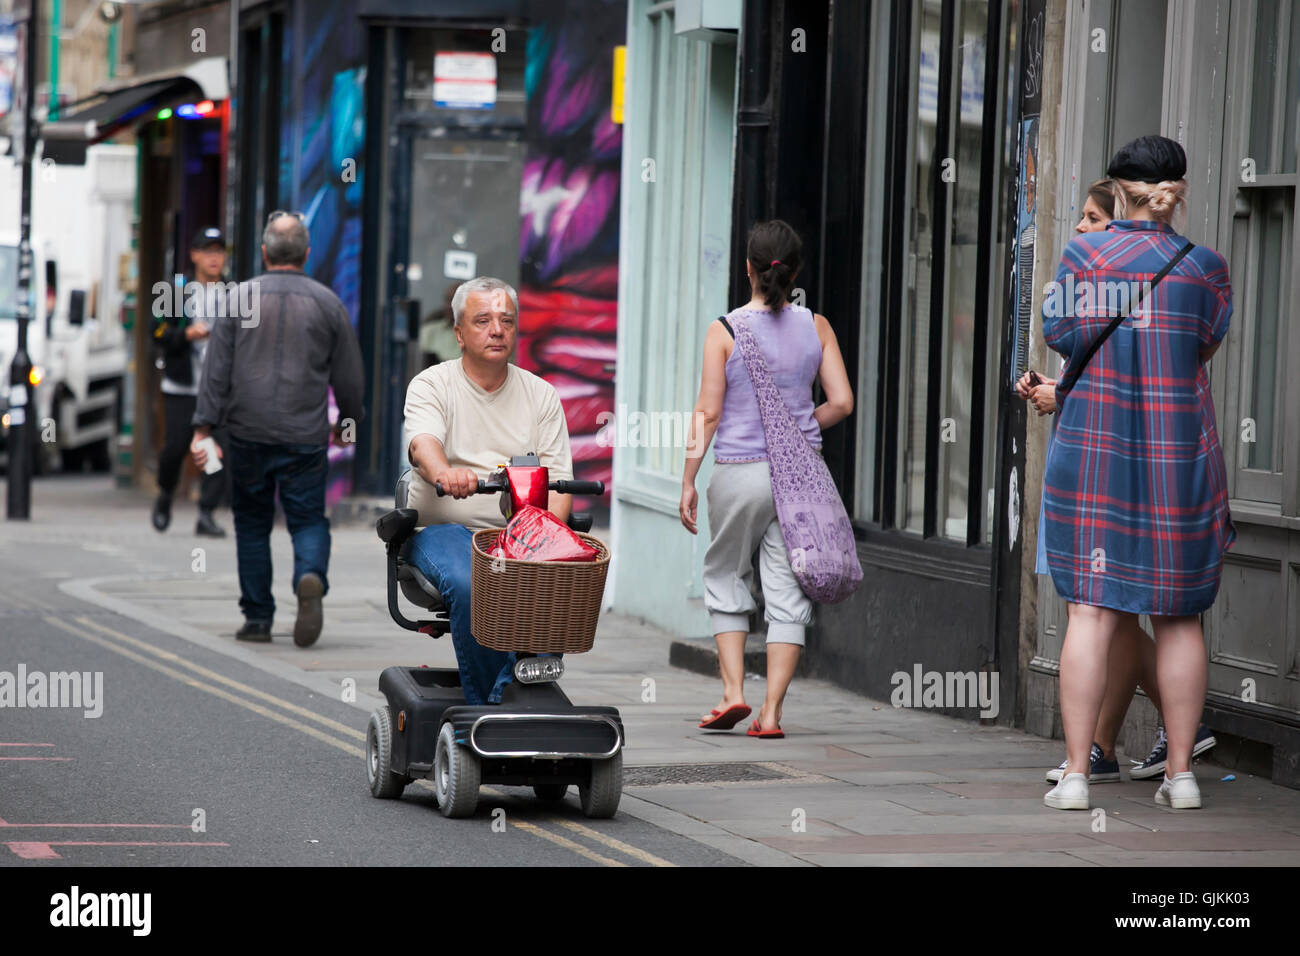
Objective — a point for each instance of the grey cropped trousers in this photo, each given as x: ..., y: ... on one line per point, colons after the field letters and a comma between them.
x: 742, y: 520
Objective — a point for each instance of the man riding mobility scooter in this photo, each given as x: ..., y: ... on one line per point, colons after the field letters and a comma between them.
x: 535, y: 737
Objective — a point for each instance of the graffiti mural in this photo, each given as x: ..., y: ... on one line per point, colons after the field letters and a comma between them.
x: 569, y: 201
x: 321, y: 150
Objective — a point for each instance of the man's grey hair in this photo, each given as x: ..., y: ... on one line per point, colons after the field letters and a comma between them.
x: 286, y: 241
x: 479, y: 284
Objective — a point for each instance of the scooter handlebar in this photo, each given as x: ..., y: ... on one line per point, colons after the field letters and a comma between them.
x: 484, y: 487
x: 578, y: 487
x: 564, y: 487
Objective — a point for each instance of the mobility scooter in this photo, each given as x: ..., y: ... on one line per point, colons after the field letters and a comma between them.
x: 535, y: 737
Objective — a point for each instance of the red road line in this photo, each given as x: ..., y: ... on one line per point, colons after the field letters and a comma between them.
x: 142, y: 826
x: 39, y: 850
x: 33, y: 851
x: 126, y: 843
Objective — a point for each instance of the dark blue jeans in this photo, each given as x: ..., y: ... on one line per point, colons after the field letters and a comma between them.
x: 442, y: 553
x: 298, y: 473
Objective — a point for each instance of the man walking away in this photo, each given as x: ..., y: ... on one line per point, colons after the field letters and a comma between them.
x: 270, y: 368
x: 184, y: 341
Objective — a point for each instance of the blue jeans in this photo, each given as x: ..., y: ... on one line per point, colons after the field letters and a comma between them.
x: 298, y: 472
x: 442, y: 554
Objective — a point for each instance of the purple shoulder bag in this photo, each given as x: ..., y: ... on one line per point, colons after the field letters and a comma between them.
x: 814, y: 524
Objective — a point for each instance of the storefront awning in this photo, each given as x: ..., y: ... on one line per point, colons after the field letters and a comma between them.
x: 122, y: 104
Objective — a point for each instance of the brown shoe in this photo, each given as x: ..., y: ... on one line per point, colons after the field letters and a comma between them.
x: 311, y: 616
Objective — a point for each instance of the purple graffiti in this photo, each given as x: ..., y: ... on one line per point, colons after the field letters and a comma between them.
x: 562, y: 211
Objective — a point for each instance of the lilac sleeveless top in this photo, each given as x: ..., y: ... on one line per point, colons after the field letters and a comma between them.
x: 793, y: 353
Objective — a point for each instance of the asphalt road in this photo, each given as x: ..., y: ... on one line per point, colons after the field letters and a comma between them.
x: 201, y: 760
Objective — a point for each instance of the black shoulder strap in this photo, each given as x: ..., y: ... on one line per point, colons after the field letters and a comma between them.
x: 727, y: 325
x: 1062, y: 387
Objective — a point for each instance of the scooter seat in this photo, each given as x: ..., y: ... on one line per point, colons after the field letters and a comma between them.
x: 418, y: 589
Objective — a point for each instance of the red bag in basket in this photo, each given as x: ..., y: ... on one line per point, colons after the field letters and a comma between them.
x: 535, y: 534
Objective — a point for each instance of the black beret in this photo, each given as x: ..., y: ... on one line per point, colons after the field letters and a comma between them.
x: 1148, y: 159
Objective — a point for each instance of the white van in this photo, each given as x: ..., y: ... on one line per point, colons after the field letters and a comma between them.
x: 76, y: 342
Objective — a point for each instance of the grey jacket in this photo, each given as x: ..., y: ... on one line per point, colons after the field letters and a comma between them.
x: 272, y: 359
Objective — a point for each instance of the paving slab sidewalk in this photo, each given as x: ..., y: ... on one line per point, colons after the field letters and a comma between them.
x: 854, y: 782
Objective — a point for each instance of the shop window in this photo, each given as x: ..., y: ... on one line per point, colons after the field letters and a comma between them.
x: 459, y: 161
x: 1130, y: 58
x: 1261, y: 176
x: 941, y: 153
x: 1273, y: 210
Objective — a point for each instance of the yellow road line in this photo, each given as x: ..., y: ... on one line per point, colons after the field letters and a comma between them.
x: 614, y: 844
x: 538, y: 831
x: 215, y: 691
x: 228, y: 681
x: 632, y: 851
x: 545, y: 834
x: 565, y: 842
x: 19, y: 603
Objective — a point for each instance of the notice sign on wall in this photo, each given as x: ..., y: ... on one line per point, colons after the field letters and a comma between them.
x: 465, y: 81
x: 459, y: 264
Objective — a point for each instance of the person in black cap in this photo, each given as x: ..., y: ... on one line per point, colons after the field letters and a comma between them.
x: 1149, y: 171
x: 1136, y: 516
x: 184, y: 340
x: 1149, y: 159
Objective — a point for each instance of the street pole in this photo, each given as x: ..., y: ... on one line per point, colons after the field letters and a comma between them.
x: 20, y: 390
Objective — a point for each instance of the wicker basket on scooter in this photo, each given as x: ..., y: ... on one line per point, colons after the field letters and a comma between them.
x: 542, y: 607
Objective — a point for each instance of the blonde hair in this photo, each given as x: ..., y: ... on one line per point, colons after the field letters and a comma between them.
x: 1165, y: 199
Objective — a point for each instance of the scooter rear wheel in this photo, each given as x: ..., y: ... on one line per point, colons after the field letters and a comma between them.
x: 456, y: 775
x: 384, y: 784
x: 601, y: 795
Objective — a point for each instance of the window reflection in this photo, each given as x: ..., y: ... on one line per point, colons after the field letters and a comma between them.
x: 916, y: 317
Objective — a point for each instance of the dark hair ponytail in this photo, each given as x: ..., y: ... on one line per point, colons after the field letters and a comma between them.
x: 775, y: 253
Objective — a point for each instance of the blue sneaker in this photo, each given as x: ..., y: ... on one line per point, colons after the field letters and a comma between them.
x: 1154, y: 764
x: 1100, y: 770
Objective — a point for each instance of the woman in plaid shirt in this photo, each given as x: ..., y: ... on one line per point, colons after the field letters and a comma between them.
x: 1136, y: 515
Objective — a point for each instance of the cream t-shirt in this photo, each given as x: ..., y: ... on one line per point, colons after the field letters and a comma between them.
x: 482, y: 430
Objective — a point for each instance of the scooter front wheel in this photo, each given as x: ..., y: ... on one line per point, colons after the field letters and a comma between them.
x: 456, y: 775
x: 601, y: 795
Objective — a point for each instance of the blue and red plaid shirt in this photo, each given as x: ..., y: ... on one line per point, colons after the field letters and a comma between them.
x: 1136, y: 511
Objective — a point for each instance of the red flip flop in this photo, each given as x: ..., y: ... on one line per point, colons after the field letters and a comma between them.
x: 726, y: 719
x: 757, y: 731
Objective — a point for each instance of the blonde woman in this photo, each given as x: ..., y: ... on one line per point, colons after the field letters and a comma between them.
x: 1136, y: 517
x: 1132, y: 661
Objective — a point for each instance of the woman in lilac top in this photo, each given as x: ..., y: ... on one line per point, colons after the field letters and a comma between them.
x: 799, y: 349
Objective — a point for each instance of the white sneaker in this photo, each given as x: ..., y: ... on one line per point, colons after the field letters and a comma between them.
x: 1181, y: 793
x: 1070, y: 794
